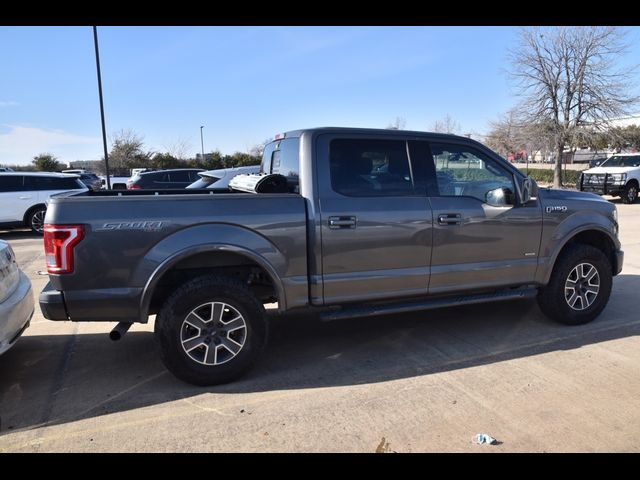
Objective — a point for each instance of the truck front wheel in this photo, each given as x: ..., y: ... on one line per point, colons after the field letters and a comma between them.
x: 630, y: 192
x: 211, y: 330
x: 579, y: 287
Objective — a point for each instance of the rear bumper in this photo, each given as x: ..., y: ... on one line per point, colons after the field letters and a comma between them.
x: 104, y: 305
x: 52, y: 304
x: 619, y: 261
x: 15, y: 313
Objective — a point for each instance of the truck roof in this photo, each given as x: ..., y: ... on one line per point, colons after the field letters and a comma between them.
x: 377, y: 131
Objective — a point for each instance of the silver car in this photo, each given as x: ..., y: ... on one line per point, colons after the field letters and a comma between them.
x: 220, y: 178
x: 16, y: 299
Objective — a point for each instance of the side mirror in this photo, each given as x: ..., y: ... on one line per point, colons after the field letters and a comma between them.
x: 499, y: 197
x: 528, y: 190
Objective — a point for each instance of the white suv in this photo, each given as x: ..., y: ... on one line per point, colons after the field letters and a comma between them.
x: 24, y: 195
x: 619, y: 176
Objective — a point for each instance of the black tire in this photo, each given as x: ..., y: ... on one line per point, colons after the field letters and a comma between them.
x: 630, y: 192
x: 172, y: 330
x: 35, y: 219
x: 554, y: 299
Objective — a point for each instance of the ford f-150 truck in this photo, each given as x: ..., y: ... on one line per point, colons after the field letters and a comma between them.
x: 372, y: 222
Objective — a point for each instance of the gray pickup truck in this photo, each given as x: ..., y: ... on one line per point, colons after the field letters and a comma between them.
x: 372, y: 222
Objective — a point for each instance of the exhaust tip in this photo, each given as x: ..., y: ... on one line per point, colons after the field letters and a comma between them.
x: 115, y: 335
x: 119, y: 330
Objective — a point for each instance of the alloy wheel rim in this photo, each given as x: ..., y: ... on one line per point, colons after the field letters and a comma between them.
x: 213, y: 333
x: 37, y: 221
x: 582, y: 286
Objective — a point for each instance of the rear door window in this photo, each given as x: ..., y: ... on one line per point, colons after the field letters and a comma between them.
x: 182, y: 177
x: 159, y: 178
x: 370, y: 168
x: 51, y: 183
x: 11, y: 183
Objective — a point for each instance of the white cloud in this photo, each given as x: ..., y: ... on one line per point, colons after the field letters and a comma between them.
x: 8, y: 103
x: 20, y: 144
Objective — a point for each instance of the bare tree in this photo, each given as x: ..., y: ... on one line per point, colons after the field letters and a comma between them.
x: 398, y: 124
x: 567, y: 80
x: 179, y: 149
x: 258, y: 149
x: 506, y: 134
x: 446, y: 125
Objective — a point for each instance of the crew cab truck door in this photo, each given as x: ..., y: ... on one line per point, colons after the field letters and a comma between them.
x: 482, y: 236
x: 375, y: 225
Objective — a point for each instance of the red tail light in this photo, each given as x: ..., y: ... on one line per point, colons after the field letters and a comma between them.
x: 59, y: 241
x: 133, y: 186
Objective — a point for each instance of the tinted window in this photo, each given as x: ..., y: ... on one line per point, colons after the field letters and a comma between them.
x: 364, y: 168
x: 11, y: 183
x: 267, y: 155
x: 51, y: 183
x: 179, y: 177
x: 622, y: 162
x: 157, y: 177
x: 283, y: 157
x: 464, y: 171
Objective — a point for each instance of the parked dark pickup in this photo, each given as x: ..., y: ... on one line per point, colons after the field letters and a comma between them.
x: 374, y: 222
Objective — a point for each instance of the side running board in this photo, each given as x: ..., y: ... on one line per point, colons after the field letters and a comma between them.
x: 390, y: 308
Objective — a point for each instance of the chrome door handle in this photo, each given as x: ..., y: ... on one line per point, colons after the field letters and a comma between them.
x: 450, y: 219
x: 342, y: 222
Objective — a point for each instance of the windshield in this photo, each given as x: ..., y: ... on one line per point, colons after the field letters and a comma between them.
x: 622, y: 161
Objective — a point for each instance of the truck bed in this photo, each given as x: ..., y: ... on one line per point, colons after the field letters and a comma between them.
x: 127, y: 240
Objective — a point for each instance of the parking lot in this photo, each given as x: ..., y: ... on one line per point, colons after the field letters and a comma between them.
x: 428, y: 381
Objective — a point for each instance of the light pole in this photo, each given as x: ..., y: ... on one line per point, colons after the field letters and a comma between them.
x: 202, y: 142
x: 104, y: 134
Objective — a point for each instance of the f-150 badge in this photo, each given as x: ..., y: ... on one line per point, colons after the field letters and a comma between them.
x: 556, y: 208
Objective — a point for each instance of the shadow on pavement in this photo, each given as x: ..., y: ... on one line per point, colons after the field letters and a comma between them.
x: 47, y: 380
x: 8, y: 235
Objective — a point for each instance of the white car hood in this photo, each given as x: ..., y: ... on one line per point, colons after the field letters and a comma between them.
x: 610, y: 169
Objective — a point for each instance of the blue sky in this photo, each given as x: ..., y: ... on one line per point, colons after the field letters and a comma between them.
x: 244, y: 84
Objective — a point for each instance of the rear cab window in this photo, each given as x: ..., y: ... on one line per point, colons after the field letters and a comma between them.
x: 283, y: 157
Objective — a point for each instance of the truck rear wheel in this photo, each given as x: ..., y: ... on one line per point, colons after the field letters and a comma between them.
x: 211, y: 330
x: 579, y: 287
